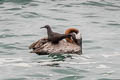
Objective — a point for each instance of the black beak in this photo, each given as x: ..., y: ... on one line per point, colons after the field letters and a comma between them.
x: 42, y: 27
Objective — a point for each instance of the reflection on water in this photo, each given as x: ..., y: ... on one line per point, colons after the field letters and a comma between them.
x: 98, y: 21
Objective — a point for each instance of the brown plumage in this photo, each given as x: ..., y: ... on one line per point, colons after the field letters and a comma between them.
x: 76, y: 37
x: 73, y: 38
x: 55, y: 37
x: 46, y: 45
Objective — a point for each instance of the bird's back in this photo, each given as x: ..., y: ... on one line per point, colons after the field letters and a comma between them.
x: 56, y: 37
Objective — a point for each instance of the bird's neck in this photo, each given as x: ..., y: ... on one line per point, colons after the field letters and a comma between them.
x: 49, y: 31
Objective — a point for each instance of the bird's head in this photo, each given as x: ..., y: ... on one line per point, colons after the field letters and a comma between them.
x: 73, y: 32
x: 46, y: 26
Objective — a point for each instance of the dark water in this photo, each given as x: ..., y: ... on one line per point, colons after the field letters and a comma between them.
x: 98, y: 21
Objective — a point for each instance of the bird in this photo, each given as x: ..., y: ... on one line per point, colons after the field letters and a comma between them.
x: 76, y: 36
x: 73, y: 43
x: 55, y: 37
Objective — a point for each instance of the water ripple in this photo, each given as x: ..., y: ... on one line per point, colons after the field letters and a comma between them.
x: 88, y: 41
x: 11, y: 46
x: 7, y: 35
x: 108, y: 79
x: 13, y: 9
x: 64, y: 71
x: 114, y: 24
x: 38, y: 75
x: 100, y: 4
x: 17, y: 79
x: 58, y: 10
x: 28, y: 14
x: 112, y: 9
x: 72, y: 78
x: 60, y: 19
x: 17, y: 1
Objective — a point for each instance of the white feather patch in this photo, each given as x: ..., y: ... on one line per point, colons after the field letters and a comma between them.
x: 79, y: 36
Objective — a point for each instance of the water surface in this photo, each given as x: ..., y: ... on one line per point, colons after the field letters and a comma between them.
x: 98, y: 21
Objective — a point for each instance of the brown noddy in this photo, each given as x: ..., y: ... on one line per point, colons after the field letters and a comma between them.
x: 55, y: 37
